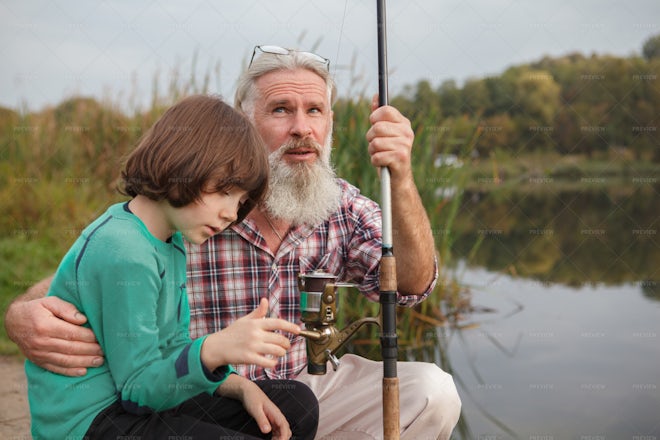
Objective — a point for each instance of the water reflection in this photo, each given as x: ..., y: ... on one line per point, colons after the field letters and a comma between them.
x: 604, y: 235
x: 570, y: 346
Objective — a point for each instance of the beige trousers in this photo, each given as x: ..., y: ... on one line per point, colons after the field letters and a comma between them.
x: 351, y: 402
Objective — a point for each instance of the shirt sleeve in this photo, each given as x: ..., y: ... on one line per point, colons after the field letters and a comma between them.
x: 365, y: 251
x: 149, y: 376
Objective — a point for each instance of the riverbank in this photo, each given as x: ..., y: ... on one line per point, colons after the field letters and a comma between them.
x: 14, y: 410
x: 531, y: 171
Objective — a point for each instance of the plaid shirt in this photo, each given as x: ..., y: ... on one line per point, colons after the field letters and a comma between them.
x: 229, y: 273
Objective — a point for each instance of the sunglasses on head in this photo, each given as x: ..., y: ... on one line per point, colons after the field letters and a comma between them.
x: 277, y: 50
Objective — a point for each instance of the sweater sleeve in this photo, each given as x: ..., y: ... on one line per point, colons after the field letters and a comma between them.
x: 152, y: 360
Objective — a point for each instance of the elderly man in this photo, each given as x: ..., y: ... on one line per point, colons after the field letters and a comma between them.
x: 311, y: 220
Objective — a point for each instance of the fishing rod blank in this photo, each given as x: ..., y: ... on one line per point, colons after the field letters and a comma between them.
x: 388, y: 339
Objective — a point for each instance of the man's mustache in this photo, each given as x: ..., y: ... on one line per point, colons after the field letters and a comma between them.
x: 301, y: 143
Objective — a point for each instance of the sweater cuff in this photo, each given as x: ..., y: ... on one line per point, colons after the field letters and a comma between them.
x: 219, y: 374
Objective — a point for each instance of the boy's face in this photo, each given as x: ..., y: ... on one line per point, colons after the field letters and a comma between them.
x: 210, y: 215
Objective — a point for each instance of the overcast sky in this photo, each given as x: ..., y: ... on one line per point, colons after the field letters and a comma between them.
x: 53, y: 49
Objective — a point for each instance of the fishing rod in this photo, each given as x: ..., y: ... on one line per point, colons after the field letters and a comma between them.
x: 318, y: 289
x: 387, y: 276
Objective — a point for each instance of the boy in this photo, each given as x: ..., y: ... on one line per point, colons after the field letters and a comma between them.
x: 199, y: 169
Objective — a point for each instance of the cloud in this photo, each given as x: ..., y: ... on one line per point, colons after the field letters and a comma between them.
x: 54, y: 49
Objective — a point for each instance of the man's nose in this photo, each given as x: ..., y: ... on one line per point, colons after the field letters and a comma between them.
x: 300, y: 125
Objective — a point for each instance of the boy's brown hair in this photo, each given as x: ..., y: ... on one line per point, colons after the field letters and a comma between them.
x: 199, y: 145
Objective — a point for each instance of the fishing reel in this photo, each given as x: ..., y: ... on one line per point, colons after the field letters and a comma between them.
x: 318, y: 307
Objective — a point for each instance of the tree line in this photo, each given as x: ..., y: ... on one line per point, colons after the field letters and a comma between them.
x: 574, y: 104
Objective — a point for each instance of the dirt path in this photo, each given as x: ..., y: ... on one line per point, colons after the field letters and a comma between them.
x: 14, y: 412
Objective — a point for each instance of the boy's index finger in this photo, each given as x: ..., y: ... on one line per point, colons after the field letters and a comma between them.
x: 280, y: 324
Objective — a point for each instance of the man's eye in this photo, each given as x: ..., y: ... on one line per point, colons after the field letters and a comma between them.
x: 279, y: 110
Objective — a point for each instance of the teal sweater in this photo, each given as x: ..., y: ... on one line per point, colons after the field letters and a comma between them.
x: 131, y: 287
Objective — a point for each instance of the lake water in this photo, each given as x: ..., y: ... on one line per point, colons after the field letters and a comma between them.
x: 564, y: 339
x: 554, y: 362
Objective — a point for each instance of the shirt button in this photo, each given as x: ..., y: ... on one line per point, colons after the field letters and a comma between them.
x: 274, y: 266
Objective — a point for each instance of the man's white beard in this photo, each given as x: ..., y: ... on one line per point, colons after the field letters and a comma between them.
x: 302, y: 193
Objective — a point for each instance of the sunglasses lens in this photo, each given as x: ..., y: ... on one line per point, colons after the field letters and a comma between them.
x: 274, y: 50
x: 277, y: 50
x: 315, y: 57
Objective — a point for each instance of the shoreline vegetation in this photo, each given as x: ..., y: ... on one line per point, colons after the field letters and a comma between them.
x: 573, y: 122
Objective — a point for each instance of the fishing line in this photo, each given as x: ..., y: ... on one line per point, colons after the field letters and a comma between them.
x: 341, y: 33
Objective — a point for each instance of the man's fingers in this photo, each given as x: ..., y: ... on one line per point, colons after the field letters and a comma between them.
x: 82, y: 334
x: 73, y: 372
x: 64, y: 310
x: 67, y: 365
x: 386, y: 129
x: 62, y: 330
x: 66, y: 347
x: 386, y: 113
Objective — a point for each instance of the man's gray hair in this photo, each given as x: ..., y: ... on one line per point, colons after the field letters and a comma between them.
x: 246, y: 91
